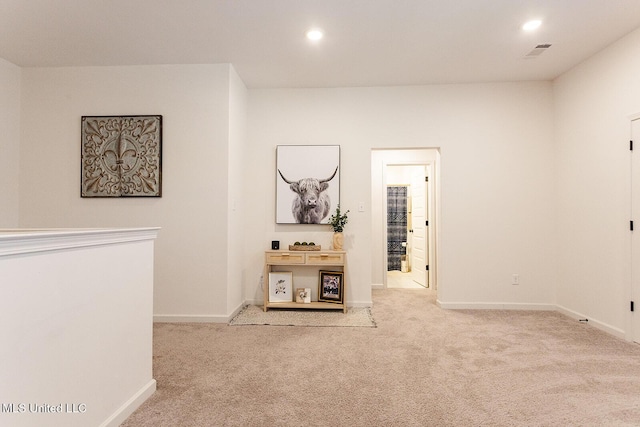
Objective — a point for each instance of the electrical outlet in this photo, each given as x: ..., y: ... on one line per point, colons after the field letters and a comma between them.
x: 515, y: 279
x: 361, y: 207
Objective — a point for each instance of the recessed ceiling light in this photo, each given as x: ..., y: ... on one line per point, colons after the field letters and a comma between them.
x: 315, y: 34
x: 531, y: 25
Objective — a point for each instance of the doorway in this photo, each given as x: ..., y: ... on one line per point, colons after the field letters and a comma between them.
x: 407, y: 229
x: 415, y: 170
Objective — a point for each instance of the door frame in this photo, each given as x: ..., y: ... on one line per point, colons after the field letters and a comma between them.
x: 381, y: 158
x: 633, y: 291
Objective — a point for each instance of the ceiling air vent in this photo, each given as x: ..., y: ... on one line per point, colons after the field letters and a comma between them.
x: 537, y: 51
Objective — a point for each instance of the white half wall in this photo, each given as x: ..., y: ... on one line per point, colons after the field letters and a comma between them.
x: 77, y: 311
x: 593, y: 105
x: 10, y: 82
x: 191, y: 264
x: 497, y: 179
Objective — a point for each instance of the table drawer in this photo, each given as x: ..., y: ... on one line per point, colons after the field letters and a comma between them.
x: 284, y: 258
x: 325, y: 258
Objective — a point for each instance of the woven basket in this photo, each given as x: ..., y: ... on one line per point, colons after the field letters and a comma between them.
x: 304, y: 247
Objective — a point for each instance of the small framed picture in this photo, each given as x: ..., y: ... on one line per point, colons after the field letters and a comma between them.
x: 281, y: 286
x: 303, y: 295
x: 331, y: 286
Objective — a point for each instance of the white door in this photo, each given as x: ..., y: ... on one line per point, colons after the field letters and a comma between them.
x: 635, y: 235
x: 418, y: 221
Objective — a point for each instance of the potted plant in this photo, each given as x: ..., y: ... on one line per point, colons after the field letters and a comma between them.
x: 337, y: 222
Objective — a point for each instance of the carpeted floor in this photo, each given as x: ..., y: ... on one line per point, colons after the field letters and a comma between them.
x: 421, y: 366
x: 255, y: 315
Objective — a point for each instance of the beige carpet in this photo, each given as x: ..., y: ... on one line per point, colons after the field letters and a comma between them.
x: 255, y: 315
x: 421, y: 366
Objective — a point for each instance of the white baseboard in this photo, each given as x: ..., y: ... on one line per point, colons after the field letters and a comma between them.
x: 617, y: 332
x: 356, y: 304
x: 130, y: 405
x: 236, y: 311
x: 189, y: 318
x: 377, y: 286
x: 593, y: 322
x: 359, y: 304
x: 494, y: 306
x: 198, y: 318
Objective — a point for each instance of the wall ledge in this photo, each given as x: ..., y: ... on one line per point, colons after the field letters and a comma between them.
x: 25, y: 241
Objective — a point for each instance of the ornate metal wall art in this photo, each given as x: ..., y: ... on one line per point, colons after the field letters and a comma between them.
x: 121, y: 156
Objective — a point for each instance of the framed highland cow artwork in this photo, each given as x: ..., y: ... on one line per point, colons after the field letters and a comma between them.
x: 307, y: 183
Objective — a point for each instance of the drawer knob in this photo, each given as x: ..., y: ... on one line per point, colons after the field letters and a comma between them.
x: 324, y: 255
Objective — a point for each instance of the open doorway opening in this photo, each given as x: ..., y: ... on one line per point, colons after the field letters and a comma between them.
x: 407, y: 226
x: 405, y: 201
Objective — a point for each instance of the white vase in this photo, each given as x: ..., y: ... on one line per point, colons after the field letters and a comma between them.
x: 338, y: 240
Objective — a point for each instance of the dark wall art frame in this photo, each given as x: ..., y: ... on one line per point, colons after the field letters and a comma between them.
x: 307, y: 183
x: 121, y: 156
x: 331, y: 286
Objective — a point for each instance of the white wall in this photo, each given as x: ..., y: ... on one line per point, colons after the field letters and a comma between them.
x: 236, y: 203
x: 497, y: 179
x: 593, y: 103
x: 513, y: 200
x: 9, y: 144
x: 401, y: 175
x: 191, y: 263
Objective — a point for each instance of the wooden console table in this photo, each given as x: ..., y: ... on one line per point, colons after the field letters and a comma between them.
x: 334, y: 259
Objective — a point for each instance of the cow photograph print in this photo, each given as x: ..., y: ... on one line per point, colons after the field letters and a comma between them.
x: 307, y: 183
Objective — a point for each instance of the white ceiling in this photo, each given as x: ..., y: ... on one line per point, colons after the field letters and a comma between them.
x: 367, y: 42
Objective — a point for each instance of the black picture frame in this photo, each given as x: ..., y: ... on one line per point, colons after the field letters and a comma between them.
x: 331, y: 286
